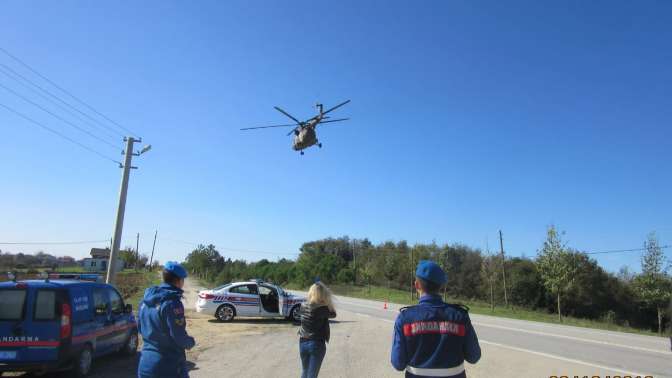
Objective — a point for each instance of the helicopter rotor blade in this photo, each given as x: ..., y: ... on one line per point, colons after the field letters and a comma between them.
x: 288, y: 115
x: 334, y: 120
x: 332, y: 109
x: 336, y: 107
x: 266, y: 127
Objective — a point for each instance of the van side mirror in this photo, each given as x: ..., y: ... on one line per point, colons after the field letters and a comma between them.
x: 128, y: 309
x: 102, y: 309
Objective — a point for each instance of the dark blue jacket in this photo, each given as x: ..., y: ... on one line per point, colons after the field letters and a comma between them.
x: 163, y: 327
x: 434, y: 335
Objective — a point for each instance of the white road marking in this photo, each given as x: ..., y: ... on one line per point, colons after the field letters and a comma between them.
x: 604, y: 332
x: 562, y: 358
x: 365, y: 315
x: 538, y: 333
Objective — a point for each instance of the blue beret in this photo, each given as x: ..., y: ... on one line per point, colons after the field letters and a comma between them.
x: 175, y: 268
x: 431, y: 271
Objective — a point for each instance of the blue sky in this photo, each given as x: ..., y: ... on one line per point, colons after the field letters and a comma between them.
x: 467, y: 118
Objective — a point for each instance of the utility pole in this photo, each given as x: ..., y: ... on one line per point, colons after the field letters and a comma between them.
x: 412, y: 275
x: 137, y: 251
x: 153, y: 245
x: 121, y: 208
x: 354, y: 262
x: 501, y: 248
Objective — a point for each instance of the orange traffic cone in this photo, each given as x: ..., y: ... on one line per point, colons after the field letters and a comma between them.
x: 385, y: 306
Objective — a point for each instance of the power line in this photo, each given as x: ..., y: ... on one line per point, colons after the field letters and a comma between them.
x: 100, y: 126
x: 55, y: 242
x: 65, y: 91
x: 59, y: 134
x: 58, y: 117
x: 625, y: 250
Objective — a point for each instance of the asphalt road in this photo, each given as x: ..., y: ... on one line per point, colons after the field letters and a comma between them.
x: 599, y: 351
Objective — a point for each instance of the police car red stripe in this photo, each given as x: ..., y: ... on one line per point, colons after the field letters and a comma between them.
x: 434, y: 328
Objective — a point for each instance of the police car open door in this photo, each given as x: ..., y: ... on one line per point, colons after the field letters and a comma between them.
x: 271, y: 304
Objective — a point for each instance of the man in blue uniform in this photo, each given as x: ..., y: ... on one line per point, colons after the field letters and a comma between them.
x: 433, y: 338
x: 163, y: 327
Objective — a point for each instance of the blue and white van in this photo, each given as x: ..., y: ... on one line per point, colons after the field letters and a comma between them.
x: 49, y: 325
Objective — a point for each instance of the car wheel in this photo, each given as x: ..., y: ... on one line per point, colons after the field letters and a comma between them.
x: 225, y: 313
x: 131, y: 346
x: 295, y: 315
x: 82, y: 365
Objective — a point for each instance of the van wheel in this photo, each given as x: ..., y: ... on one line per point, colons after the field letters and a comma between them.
x: 83, y: 361
x: 225, y: 313
x: 131, y: 346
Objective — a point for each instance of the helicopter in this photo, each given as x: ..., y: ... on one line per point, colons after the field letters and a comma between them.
x: 304, y: 132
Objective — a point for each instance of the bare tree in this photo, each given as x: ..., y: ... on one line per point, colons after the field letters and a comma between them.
x: 489, y: 273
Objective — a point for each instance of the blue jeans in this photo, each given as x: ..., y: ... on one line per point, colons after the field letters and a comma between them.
x: 312, y: 353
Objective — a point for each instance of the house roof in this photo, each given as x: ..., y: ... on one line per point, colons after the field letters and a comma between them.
x: 100, y: 252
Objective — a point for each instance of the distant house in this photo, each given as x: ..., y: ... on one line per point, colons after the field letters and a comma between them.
x: 99, y: 259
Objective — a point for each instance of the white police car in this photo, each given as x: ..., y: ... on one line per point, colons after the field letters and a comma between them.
x: 249, y: 299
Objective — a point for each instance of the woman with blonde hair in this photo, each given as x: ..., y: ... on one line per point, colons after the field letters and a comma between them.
x: 314, y: 332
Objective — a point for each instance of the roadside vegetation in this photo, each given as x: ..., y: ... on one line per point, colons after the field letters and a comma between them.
x: 561, y: 285
x: 131, y: 285
x: 483, y: 308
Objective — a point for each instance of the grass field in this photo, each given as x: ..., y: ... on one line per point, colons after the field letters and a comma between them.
x: 132, y: 285
x: 71, y: 269
x: 483, y: 308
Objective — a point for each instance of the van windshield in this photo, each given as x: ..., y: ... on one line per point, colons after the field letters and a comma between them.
x: 11, y: 304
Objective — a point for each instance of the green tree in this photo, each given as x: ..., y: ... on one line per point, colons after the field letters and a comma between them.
x: 205, y: 261
x: 653, y: 286
x: 555, y: 266
x: 526, y: 287
x: 314, y: 262
x: 128, y: 256
x: 390, y: 270
x: 368, y: 271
